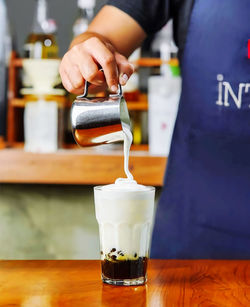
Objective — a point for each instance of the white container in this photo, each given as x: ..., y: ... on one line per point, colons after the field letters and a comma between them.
x: 43, y: 74
x: 41, y: 126
x: 132, y: 84
x: 163, y: 96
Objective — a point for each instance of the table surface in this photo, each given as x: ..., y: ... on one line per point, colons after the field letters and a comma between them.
x: 170, y: 283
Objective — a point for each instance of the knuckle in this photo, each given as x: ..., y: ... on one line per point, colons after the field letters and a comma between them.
x: 75, y: 49
x: 68, y: 86
x: 90, y: 42
x: 108, y: 59
x: 121, y: 58
x: 90, y: 76
x: 113, y: 81
x: 77, y: 83
x: 93, y: 39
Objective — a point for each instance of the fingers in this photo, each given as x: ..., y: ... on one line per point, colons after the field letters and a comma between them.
x: 82, y: 62
x: 85, y: 62
x: 68, y: 84
x: 125, y: 68
x: 79, y: 66
x: 102, y: 55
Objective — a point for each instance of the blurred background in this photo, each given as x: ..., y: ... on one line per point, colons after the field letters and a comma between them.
x: 21, y: 16
x: 46, y: 180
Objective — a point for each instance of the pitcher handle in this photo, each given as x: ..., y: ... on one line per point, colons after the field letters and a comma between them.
x: 86, y: 88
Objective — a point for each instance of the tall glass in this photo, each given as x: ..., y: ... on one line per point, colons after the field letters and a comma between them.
x: 125, y: 220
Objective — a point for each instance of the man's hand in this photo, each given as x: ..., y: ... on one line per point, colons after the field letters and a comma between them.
x: 97, y: 48
x: 83, y: 61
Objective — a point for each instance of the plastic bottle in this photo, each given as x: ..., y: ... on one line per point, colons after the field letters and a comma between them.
x: 163, y: 94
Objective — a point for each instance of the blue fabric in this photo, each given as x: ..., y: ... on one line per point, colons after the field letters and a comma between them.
x: 204, y: 210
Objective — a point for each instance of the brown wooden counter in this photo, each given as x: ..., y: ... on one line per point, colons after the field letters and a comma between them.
x: 170, y: 283
x: 78, y: 166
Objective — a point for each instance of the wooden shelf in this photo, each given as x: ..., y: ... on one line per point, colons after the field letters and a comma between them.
x: 82, y: 166
x: 16, y: 103
x: 151, y: 62
x: 145, y: 62
x: 17, y: 62
x: 20, y: 145
x: 20, y: 102
x: 140, y: 105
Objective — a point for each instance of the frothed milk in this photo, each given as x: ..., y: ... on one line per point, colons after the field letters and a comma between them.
x: 124, y: 211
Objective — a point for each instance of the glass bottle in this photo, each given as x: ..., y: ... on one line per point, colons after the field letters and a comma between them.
x: 41, y: 42
x: 85, y: 15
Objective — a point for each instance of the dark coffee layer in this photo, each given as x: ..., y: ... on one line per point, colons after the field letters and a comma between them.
x: 125, y: 269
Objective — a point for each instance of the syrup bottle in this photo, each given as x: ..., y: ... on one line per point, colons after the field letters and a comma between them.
x: 41, y: 42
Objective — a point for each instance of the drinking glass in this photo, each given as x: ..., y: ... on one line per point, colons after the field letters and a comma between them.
x: 125, y: 218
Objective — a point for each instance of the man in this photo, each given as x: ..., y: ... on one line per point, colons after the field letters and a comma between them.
x: 204, y: 210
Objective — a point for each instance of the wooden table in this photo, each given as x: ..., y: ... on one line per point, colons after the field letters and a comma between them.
x: 170, y: 283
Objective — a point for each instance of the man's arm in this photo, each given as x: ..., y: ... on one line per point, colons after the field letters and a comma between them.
x: 111, y: 37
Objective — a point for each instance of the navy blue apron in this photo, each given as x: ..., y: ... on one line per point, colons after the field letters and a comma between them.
x: 204, y: 209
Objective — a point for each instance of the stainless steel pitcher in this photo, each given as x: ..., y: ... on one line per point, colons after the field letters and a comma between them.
x: 97, y: 120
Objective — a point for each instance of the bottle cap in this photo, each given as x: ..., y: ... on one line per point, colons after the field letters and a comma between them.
x: 176, y: 72
x: 86, y: 4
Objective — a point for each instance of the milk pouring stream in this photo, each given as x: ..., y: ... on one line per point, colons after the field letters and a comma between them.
x: 128, y: 138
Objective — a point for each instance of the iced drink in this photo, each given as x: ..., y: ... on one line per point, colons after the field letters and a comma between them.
x: 124, y: 211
